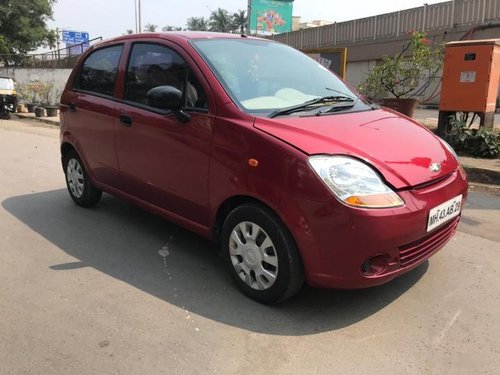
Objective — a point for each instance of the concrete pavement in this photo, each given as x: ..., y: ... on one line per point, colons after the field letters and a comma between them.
x: 429, y: 118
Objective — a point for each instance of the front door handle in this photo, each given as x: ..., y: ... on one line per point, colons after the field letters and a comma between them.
x: 126, y: 120
x: 72, y: 107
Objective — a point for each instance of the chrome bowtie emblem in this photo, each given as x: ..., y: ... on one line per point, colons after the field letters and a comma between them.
x: 435, y: 167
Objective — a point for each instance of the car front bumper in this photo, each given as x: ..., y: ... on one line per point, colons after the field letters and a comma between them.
x: 339, y: 243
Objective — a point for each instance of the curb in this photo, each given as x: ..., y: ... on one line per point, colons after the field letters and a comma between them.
x: 43, y: 120
x: 484, y: 176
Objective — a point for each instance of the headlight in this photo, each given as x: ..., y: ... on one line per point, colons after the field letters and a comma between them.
x: 353, y: 182
x: 449, y: 148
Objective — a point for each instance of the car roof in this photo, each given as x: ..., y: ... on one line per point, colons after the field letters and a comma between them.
x: 177, y: 36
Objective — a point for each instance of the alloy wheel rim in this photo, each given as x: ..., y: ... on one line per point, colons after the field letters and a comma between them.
x: 74, y: 175
x: 253, y: 256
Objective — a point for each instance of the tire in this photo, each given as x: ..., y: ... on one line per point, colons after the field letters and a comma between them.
x: 261, y: 254
x: 78, y: 183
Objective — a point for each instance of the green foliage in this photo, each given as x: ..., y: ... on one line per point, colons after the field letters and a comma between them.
x: 38, y: 92
x: 23, y: 26
x: 240, y: 21
x: 486, y: 144
x: 483, y: 143
x: 171, y: 28
x: 198, y: 24
x: 407, y: 73
x: 149, y: 27
x: 222, y: 21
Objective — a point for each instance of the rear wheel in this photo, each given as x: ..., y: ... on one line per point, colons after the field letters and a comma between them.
x: 78, y: 183
x: 261, y: 254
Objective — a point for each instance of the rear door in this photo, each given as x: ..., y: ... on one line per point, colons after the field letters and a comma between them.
x: 89, y: 111
x: 162, y: 160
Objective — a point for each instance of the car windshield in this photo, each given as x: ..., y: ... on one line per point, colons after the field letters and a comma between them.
x: 263, y: 76
x: 6, y: 84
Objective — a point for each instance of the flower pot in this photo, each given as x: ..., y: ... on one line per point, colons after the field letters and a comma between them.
x: 51, y: 111
x: 406, y: 106
x: 31, y: 107
x: 21, y: 108
x: 40, y: 112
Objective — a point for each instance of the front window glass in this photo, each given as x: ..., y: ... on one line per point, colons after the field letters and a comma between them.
x: 263, y: 76
x: 152, y: 65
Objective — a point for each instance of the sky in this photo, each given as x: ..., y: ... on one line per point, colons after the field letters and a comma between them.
x: 109, y: 18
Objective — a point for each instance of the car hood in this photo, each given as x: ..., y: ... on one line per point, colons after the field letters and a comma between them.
x: 399, y: 148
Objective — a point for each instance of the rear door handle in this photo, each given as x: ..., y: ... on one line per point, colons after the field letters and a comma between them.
x: 126, y: 120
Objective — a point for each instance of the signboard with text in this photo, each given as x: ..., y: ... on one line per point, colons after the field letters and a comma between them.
x: 269, y: 17
x: 74, y: 37
x: 76, y: 42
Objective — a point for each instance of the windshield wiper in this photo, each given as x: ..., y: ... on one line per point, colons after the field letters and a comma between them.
x: 338, y: 108
x: 300, y: 107
x: 335, y: 108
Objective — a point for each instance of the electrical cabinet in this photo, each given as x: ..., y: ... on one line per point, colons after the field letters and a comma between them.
x: 471, y: 74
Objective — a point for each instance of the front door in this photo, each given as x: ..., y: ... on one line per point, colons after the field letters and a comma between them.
x: 162, y: 160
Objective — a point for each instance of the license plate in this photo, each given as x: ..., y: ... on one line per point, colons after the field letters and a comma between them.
x: 444, y: 212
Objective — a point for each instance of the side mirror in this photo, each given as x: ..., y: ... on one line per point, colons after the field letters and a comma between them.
x: 169, y: 98
x: 164, y: 97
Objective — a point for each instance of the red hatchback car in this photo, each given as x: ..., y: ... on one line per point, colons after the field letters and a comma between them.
x: 255, y: 145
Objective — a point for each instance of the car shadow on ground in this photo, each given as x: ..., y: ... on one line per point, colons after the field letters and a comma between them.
x: 185, y: 270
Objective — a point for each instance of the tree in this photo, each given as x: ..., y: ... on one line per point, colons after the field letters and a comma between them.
x: 198, y: 24
x: 23, y: 26
x: 171, y: 28
x: 221, y: 21
x: 409, y: 72
x: 240, y: 21
x: 130, y: 31
x: 149, y: 27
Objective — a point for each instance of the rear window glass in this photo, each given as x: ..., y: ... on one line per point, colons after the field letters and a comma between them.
x: 99, y: 70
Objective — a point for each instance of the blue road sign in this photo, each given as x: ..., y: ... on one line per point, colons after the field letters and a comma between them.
x: 74, y: 37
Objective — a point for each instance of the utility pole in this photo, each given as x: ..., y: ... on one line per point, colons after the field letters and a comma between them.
x: 135, y: 7
x: 138, y: 26
x: 139, y: 12
x: 58, y: 46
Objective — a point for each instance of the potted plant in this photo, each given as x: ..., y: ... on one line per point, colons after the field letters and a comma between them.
x: 406, y: 75
x: 22, y: 93
x: 52, y: 101
x: 43, y: 90
x: 32, y: 92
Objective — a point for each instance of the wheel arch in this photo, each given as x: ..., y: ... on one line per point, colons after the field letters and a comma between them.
x: 230, y: 204
x: 67, y: 147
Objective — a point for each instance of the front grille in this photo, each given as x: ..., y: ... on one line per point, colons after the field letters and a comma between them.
x: 424, y: 185
x: 414, y: 252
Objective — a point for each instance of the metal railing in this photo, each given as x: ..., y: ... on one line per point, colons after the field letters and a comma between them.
x: 440, y: 16
x: 61, y: 58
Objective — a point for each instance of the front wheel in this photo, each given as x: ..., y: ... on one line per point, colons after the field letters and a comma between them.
x: 78, y: 183
x: 261, y: 254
